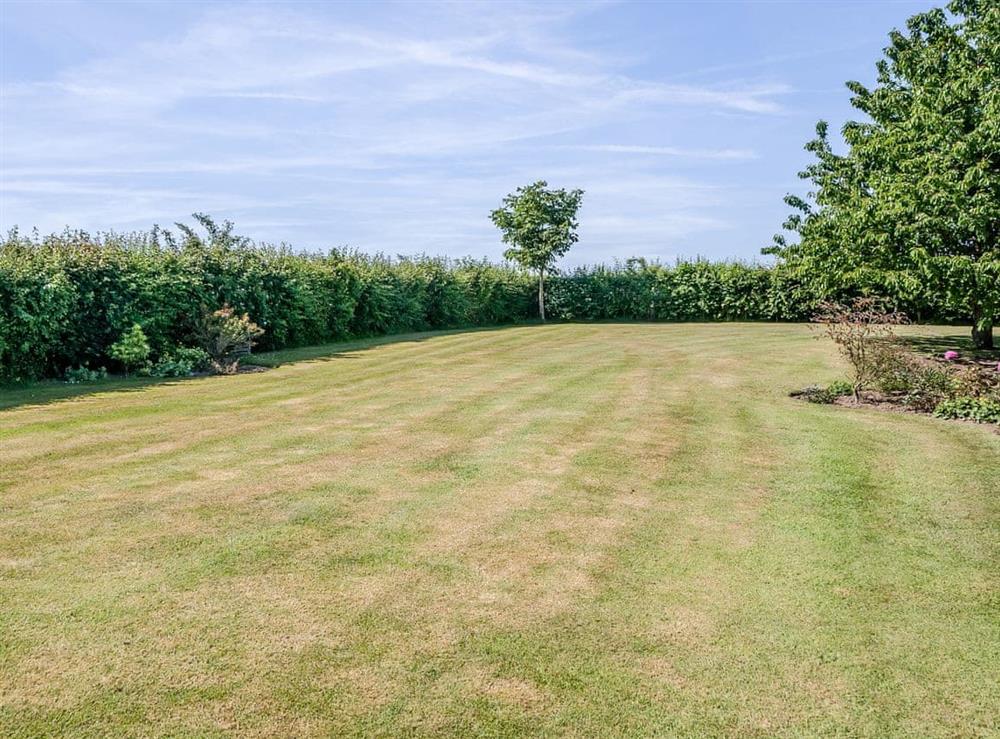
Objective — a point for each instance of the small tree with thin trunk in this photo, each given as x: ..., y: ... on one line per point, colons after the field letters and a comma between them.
x: 540, y: 226
x: 863, y: 332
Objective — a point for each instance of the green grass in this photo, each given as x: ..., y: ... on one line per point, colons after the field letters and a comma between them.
x: 564, y: 529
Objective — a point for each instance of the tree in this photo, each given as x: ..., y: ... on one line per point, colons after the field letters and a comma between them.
x: 131, y: 349
x: 913, y: 207
x: 863, y: 332
x: 540, y: 226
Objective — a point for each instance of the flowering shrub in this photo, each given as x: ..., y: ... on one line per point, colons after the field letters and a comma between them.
x: 224, y: 333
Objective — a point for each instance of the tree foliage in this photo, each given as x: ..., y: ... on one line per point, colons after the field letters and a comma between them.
x: 913, y: 207
x: 540, y: 226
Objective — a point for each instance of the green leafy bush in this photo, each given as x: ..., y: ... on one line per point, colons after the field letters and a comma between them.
x: 840, y: 388
x: 181, y: 362
x: 928, y: 385
x: 976, y: 380
x: 131, y: 349
x: 825, y: 395
x: 198, y: 358
x: 815, y: 394
x: 979, y: 409
x: 922, y: 382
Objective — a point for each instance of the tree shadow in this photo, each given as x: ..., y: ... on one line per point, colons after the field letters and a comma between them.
x: 939, y: 344
x: 342, y: 349
x: 45, y: 392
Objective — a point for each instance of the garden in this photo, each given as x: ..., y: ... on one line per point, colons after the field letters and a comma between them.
x: 253, y: 490
x: 888, y: 371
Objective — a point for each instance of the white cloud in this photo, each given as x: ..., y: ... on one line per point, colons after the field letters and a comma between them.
x: 396, y: 138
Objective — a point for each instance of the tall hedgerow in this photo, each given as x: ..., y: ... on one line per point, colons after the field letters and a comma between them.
x: 66, y: 298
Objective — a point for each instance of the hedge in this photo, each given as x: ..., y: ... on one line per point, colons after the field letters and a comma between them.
x: 65, y: 298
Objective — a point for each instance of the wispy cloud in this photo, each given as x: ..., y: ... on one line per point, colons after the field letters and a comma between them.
x: 403, y: 133
x: 672, y: 151
x: 749, y: 98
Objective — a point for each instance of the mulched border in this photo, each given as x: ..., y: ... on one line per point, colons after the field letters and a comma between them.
x: 895, y: 402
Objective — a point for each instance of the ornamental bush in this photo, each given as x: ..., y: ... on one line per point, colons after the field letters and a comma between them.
x: 223, y: 333
x: 863, y: 333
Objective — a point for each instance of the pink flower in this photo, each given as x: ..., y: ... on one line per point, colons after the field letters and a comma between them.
x: 951, y: 355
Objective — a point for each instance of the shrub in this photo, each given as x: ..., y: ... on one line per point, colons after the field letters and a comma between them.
x: 181, y: 362
x: 927, y: 384
x: 923, y: 383
x: 224, y: 333
x: 828, y: 394
x: 814, y: 394
x: 893, y: 370
x: 79, y: 375
x: 840, y: 388
x: 980, y: 409
x: 198, y: 358
x: 131, y: 349
x: 976, y: 381
x: 863, y: 332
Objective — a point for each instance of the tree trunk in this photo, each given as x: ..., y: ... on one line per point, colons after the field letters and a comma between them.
x: 541, y: 294
x: 982, y: 327
x: 982, y: 333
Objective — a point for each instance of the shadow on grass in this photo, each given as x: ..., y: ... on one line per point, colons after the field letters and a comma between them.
x: 53, y: 391
x: 336, y: 350
x: 45, y: 392
x: 938, y: 345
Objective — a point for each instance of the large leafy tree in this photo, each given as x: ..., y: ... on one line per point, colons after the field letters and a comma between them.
x: 540, y: 226
x: 913, y: 207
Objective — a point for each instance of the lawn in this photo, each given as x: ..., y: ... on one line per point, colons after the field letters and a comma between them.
x: 562, y: 529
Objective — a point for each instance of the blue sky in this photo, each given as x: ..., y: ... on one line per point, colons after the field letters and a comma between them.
x: 397, y: 127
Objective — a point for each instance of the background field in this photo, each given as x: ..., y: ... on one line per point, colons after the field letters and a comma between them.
x: 584, y: 529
